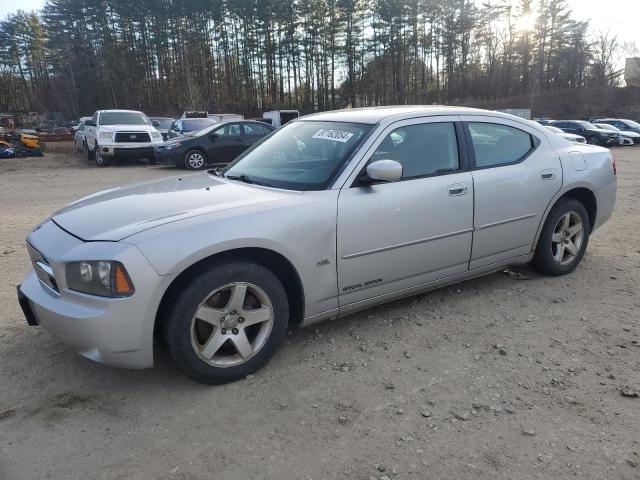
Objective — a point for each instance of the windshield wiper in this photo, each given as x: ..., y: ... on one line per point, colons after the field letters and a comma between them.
x: 247, y: 179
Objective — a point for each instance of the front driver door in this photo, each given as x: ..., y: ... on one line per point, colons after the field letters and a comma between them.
x: 394, y: 236
x: 227, y: 143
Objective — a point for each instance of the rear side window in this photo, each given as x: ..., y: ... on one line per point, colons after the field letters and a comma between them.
x: 497, y: 145
x: 423, y: 149
x: 255, y: 129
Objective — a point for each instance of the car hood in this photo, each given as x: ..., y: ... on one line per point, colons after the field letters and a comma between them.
x: 602, y: 130
x: 115, y: 214
x: 570, y: 135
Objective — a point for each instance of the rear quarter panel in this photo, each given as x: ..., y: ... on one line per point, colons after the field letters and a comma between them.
x: 585, y: 166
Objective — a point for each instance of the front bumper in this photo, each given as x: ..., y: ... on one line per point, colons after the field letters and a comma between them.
x: 127, y: 150
x: 114, y: 331
x: 174, y: 156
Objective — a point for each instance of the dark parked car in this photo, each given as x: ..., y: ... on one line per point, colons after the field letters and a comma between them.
x: 162, y: 124
x: 215, y: 144
x: 184, y: 126
x: 622, y: 123
x: 593, y: 134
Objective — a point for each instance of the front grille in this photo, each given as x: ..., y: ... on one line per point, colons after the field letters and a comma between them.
x: 132, y: 137
x: 42, y: 268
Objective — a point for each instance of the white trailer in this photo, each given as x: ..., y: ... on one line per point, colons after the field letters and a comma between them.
x: 280, y: 117
x: 226, y: 117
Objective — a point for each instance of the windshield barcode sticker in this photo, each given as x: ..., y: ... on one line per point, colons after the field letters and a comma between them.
x: 336, y: 135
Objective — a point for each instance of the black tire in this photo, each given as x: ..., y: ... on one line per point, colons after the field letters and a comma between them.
x: 88, y: 154
x: 176, y: 320
x: 543, y: 260
x: 99, y: 159
x: 195, y: 159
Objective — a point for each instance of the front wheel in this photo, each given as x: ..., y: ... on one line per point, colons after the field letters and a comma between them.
x: 101, y: 161
x: 88, y: 154
x: 226, y: 322
x: 593, y: 140
x: 564, y: 238
x: 194, y: 160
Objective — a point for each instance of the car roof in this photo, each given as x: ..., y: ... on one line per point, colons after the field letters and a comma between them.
x: 373, y: 115
x: 119, y: 110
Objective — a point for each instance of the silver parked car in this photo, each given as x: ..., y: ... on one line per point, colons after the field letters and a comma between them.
x: 333, y: 213
x: 78, y: 135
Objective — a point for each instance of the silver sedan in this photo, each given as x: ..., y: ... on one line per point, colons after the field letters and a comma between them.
x: 333, y: 213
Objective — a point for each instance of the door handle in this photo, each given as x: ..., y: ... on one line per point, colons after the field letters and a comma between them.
x: 457, y: 189
x: 548, y: 174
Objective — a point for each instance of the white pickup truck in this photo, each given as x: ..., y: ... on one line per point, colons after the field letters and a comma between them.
x: 118, y: 134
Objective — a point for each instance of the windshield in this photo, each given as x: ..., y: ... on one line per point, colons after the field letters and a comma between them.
x: 123, y: 118
x: 587, y: 125
x: 163, y: 123
x: 195, y: 124
x: 632, y: 124
x: 302, y: 155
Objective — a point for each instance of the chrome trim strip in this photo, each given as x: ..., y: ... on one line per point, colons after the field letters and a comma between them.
x: 509, y: 220
x: 406, y: 244
x: 44, y: 267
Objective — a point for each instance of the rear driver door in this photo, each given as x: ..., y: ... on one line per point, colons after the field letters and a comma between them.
x: 516, y: 173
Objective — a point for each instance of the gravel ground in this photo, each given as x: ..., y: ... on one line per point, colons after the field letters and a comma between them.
x: 499, y: 377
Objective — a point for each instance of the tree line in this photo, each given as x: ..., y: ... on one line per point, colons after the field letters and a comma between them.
x: 247, y: 56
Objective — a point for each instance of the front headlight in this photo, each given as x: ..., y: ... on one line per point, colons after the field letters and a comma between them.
x: 156, y: 135
x: 171, y: 146
x: 105, y: 135
x: 102, y: 278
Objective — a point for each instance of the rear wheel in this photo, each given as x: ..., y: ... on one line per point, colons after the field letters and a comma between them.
x: 194, y: 160
x: 564, y: 238
x: 226, y: 322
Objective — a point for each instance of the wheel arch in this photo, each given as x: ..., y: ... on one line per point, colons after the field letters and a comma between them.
x: 584, y: 195
x: 274, y: 261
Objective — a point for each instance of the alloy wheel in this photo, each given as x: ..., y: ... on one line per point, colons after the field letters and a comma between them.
x: 195, y: 161
x: 567, y: 238
x: 232, y: 324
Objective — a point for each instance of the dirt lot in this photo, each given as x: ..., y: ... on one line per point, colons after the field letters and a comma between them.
x: 493, y: 378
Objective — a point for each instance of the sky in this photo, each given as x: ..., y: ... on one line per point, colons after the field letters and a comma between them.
x: 619, y: 16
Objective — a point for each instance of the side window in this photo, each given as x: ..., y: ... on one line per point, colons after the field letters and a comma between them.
x: 229, y: 130
x: 496, y: 144
x: 255, y: 129
x: 178, y: 126
x: 95, y: 118
x: 422, y: 149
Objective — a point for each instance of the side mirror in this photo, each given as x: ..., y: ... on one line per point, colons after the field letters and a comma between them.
x: 155, y: 123
x: 213, y: 136
x: 384, y: 171
x: 89, y: 123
